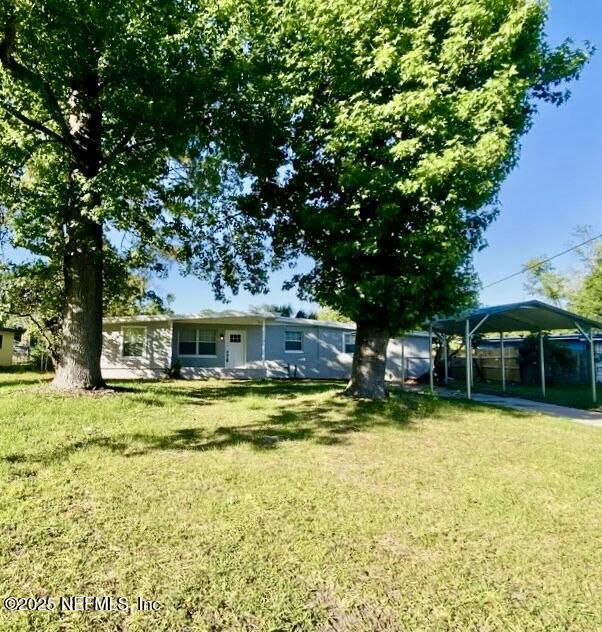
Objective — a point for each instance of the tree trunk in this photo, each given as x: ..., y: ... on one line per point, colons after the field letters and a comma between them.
x: 79, y: 362
x: 369, y: 363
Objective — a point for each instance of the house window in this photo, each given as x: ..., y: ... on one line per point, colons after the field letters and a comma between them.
x: 134, y: 339
x: 293, y: 341
x: 349, y: 343
x: 206, y: 338
x: 187, y: 342
x: 199, y: 342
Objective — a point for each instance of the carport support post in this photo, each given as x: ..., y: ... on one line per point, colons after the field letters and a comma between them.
x: 431, y: 376
x: 542, y: 364
x: 503, y: 361
x: 403, y: 362
x: 263, y: 346
x: 592, y: 357
x: 468, y: 361
x: 445, y: 360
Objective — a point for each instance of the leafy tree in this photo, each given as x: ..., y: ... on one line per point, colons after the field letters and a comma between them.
x: 278, y: 310
x: 309, y: 315
x: 579, y: 289
x: 588, y: 298
x: 544, y: 280
x: 327, y: 313
x: 405, y: 117
x: 32, y: 294
x: 136, y: 121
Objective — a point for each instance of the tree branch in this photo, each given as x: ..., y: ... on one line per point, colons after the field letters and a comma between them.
x: 36, y: 82
x: 42, y: 330
x: 40, y: 127
x: 120, y: 146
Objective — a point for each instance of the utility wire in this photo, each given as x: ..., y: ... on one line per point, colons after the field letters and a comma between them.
x: 540, y: 263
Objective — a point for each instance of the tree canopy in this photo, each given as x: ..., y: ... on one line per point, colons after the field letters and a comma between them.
x: 405, y: 117
x: 132, y: 123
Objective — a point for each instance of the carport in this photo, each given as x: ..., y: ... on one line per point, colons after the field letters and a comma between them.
x: 531, y: 316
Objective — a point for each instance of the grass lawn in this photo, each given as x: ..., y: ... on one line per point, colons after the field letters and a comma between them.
x: 281, y: 506
x: 573, y: 395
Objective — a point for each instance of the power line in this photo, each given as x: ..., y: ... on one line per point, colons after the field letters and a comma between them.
x: 540, y: 263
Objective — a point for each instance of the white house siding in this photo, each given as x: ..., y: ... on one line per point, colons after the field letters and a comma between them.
x: 152, y: 364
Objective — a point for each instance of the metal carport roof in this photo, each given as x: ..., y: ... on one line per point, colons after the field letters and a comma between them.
x: 525, y: 316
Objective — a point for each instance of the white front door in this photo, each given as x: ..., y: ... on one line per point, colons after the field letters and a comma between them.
x: 236, y: 355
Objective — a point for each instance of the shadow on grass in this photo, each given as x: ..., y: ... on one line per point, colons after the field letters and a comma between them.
x: 329, y: 421
x: 160, y: 393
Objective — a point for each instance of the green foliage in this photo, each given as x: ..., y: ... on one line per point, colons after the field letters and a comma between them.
x: 588, y: 298
x: 332, y: 315
x: 32, y: 295
x: 143, y: 117
x: 560, y: 361
x: 309, y: 315
x: 544, y: 280
x: 579, y: 289
x: 174, y: 372
x: 405, y: 119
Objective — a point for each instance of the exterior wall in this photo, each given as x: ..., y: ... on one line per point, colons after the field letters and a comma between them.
x: 253, y: 345
x: 6, y: 351
x: 415, y: 356
x: 152, y: 364
x: 322, y: 357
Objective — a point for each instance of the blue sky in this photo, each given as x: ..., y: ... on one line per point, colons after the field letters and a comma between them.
x: 556, y: 186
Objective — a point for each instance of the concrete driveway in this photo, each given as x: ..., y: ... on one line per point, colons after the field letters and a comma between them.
x: 587, y: 417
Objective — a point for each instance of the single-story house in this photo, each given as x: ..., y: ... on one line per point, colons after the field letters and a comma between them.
x: 7, y: 337
x: 245, y: 345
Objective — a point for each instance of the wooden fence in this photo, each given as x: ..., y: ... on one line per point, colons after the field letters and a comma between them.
x: 487, y: 365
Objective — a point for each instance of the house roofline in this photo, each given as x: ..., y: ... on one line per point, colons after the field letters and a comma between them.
x: 238, y: 317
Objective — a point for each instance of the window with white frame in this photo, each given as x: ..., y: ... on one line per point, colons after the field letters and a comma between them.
x: 349, y: 342
x: 197, y: 342
x: 134, y: 342
x: 206, y: 342
x: 293, y: 341
x: 187, y: 342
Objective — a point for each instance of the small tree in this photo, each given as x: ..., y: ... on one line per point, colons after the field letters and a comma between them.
x: 32, y: 294
x: 405, y: 119
x: 579, y: 289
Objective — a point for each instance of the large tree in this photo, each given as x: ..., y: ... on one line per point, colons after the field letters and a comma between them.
x: 405, y: 117
x: 125, y: 121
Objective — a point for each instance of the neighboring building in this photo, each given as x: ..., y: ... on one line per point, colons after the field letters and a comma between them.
x: 245, y: 345
x: 7, y: 337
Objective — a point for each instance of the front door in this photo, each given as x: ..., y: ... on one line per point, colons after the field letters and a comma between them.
x: 235, y: 348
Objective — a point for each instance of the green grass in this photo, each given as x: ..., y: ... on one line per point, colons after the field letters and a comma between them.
x: 282, y: 506
x: 573, y: 395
